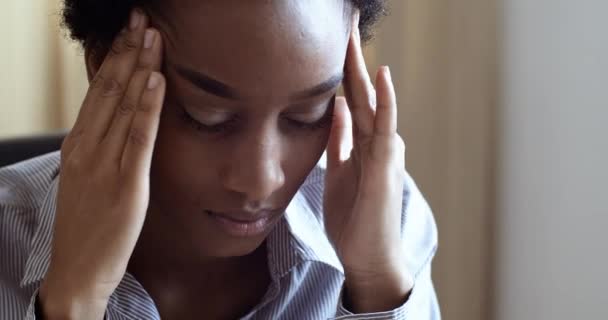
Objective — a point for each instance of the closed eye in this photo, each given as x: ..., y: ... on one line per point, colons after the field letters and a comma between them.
x: 224, y: 126
x: 225, y: 122
x: 314, y: 122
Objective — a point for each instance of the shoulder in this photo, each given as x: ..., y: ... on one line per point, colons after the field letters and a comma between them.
x: 25, y: 184
x: 24, y: 187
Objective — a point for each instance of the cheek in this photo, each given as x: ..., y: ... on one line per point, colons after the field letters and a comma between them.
x: 180, y: 165
x: 306, y: 148
x: 301, y: 153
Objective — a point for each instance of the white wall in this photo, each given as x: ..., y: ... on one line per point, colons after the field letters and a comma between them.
x: 24, y: 61
x: 553, y: 190
x: 42, y: 77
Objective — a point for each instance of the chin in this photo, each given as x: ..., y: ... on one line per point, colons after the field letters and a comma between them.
x: 217, y: 244
x: 236, y: 249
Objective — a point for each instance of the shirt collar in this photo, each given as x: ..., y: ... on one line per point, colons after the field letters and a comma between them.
x: 298, y: 237
x: 301, y: 234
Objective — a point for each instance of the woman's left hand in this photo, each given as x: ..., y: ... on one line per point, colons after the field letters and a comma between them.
x: 364, y: 188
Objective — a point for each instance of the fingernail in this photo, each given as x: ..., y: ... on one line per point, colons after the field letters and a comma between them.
x: 135, y: 19
x: 357, y: 35
x: 356, y: 22
x: 153, y: 81
x: 387, y: 71
x: 149, y: 39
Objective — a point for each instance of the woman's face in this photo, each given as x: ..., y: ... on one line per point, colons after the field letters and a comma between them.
x: 247, y: 114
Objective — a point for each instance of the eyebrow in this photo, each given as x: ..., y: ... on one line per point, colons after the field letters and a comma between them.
x: 223, y: 90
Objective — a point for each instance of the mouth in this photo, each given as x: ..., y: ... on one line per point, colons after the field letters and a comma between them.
x: 240, y: 226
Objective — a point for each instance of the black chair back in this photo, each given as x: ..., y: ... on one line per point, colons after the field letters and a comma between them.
x: 18, y: 149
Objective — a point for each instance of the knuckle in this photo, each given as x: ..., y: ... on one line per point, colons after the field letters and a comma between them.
x: 123, y: 43
x: 138, y: 137
x: 115, y: 48
x: 144, y: 107
x: 126, y: 108
x: 129, y: 43
x: 142, y: 66
x: 97, y: 81
x: 112, y: 87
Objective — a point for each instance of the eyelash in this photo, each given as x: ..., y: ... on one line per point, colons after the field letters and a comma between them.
x: 319, y: 124
x: 218, y: 128
x: 230, y: 123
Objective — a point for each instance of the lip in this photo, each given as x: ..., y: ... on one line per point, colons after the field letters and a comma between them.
x: 244, y: 225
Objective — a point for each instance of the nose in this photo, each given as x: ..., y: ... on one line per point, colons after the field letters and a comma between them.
x: 254, y: 169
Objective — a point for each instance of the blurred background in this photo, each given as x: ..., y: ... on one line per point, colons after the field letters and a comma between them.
x: 503, y: 106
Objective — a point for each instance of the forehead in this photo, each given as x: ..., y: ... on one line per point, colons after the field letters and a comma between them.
x: 256, y: 45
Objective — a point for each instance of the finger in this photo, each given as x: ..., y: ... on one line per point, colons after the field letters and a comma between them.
x: 109, y: 85
x: 151, y: 56
x: 385, y: 123
x: 358, y: 88
x: 149, y: 61
x: 137, y: 156
x: 340, y: 141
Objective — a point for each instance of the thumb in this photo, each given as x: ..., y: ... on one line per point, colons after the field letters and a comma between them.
x: 340, y: 141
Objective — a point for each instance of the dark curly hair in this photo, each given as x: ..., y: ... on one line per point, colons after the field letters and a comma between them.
x: 96, y: 22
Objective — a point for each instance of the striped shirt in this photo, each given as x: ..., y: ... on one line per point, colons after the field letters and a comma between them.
x: 307, y: 277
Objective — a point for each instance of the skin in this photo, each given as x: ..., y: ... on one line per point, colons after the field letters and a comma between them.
x: 160, y: 174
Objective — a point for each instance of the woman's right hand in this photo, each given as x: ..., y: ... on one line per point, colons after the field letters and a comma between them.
x: 104, y: 178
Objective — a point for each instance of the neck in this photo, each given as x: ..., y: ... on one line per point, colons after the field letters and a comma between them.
x: 175, y: 273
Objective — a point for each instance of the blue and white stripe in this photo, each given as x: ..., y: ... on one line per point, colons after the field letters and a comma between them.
x: 307, y: 277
